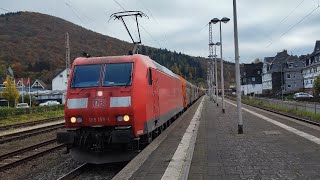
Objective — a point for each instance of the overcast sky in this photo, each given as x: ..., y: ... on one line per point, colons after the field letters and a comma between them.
x: 265, y: 27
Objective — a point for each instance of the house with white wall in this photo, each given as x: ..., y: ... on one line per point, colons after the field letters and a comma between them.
x: 60, y: 82
x: 311, y: 68
x: 251, y: 79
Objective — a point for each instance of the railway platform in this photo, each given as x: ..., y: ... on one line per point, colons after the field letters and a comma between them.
x: 204, y: 144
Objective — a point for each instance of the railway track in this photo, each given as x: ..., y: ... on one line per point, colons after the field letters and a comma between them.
x: 17, y: 157
x: 75, y: 172
x: 28, y: 133
x: 309, y: 121
x: 29, y: 123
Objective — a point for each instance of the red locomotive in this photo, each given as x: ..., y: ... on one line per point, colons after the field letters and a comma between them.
x: 114, y: 104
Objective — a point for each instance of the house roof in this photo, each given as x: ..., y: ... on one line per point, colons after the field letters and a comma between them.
x: 268, y: 59
x: 251, y: 69
x: 41, y: 83
x: 292, y: 59
x: 281, y: 57
x: 317, y: 47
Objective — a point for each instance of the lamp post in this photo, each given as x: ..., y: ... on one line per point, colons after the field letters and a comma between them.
x: 214, y: 21
x: 237, y: 68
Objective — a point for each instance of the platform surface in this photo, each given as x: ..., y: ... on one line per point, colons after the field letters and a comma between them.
x: 264, y: 151
x: 272, y: 147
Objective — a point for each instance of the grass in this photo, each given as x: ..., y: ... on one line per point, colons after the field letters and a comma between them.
x: 28, y: 117
x: 299, y: 113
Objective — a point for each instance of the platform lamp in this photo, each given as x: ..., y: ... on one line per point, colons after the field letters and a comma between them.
x: 215, y: 21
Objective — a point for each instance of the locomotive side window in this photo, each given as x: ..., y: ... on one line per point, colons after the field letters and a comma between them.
x: 117, y: 74
x: 86, y: 76
x: 149, y: 76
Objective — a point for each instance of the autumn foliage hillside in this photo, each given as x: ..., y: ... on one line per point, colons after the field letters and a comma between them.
x: 33, y: 44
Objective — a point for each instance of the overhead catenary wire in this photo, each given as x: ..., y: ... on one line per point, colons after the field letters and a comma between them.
x: 164, y: 35
x: 78, y: 13
x: 286, y: 17
x: 139, y: 25
x: 283, y: 34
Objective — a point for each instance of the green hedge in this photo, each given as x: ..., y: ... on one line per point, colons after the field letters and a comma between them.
x: 5, y: 112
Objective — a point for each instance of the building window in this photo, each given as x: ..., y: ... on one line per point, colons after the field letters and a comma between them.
x: 290, y: 65
x: 288, y: 76
x: 294, y: 75
x: 253, y: 79
x: 289, y: 85
x: 311, y: 81
x: 258, y: 72
x: 61, y: 75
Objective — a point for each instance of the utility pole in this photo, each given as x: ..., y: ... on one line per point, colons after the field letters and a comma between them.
x: 67, y: 42
x: 211, y: 72
x: 236, y: 50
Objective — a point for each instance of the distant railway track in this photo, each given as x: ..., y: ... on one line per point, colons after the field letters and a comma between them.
x: 309, y: 121
x: 28, y: 133
x: 20, y: 156
x: 29, y: 123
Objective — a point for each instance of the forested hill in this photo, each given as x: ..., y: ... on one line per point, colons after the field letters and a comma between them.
x: 33, y: 44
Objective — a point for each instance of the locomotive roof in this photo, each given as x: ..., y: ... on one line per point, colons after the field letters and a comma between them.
x: 146, y: 59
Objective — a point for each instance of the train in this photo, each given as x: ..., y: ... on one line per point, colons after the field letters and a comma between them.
x: 115, y: 105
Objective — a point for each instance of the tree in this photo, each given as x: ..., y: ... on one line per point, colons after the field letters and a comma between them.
x: 10, y: 92
x: 316, y: 86
x: 256, y: 61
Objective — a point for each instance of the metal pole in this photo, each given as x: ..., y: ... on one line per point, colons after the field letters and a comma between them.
x: 236, y: 50
x: 212, y: 82
x: 222, y: 79
x: 282, y: 85
x: 216, y: 73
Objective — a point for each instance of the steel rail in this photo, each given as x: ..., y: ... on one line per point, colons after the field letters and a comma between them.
x: 20, y: 156
x: 28, y: 133
x: 74, y: 173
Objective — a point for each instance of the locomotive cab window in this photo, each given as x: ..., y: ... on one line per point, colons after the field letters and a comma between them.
x: 86, y: 76
x: 117, y: 74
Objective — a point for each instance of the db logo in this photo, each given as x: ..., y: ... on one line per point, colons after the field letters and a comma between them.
x: 99, y: 103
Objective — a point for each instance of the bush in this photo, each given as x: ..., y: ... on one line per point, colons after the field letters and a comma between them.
x: 5, y: 112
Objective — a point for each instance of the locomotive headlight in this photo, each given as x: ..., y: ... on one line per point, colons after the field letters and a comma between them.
x: 126, y: 118
x: 73, y: 119
x: 119, y: 118
x: 99, y: 93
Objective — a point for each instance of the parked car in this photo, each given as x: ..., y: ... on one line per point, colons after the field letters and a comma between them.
x: 22, y: 105
x: 302, y: 95
x: 49, y: 103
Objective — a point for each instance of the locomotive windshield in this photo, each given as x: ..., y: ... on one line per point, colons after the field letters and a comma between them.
x: 86, y: 76
x: 117, y: 74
